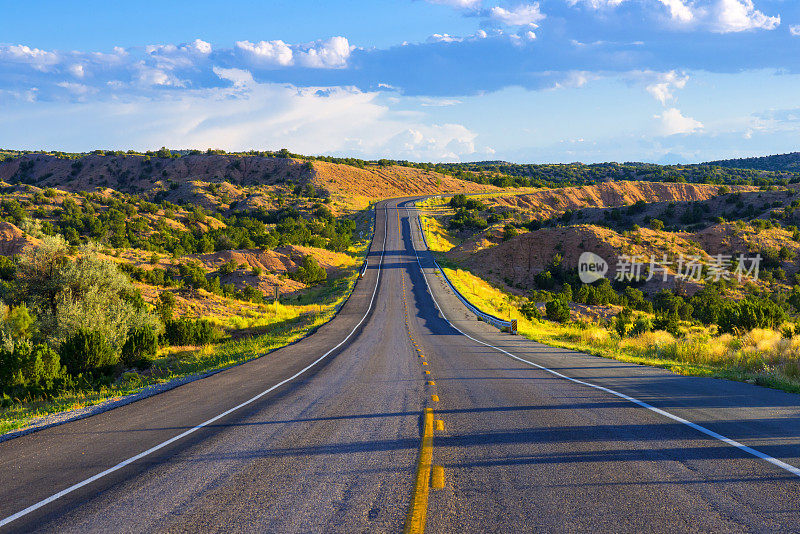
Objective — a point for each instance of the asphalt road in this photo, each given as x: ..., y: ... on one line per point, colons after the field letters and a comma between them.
x: 336, y: 448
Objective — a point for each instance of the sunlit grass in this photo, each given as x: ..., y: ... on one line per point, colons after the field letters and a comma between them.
x: 760, y: 356
x: 437, y: 236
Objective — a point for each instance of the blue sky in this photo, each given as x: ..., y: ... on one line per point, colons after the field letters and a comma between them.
x: 426, y: 80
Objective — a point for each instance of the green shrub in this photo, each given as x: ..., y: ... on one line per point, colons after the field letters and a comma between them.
x: 189, y: 332
x: 310, y: 272
x: 509, y: 232
x: 750, y: 313
x: 165, y: 305
x: 667, y: 321
x: 557, y: 310
x: 622, y: 323
x: 26, y: 366
x: 8, y: 269
x: 141, y: 346
x: 530, y: 311
x: 87, y: 351
x: 641, y: 325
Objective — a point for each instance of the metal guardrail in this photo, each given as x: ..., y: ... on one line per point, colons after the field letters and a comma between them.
x: 500, y: 324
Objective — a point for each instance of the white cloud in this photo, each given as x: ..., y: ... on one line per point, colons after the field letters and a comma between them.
x: 76, y: 70
x: 673, y: 122
x: 332, y: 53
x: 447, y: 142
x: 678, y: 10
x: 662, y: 88
x: 523, y: 15
x: 795, y: 30
x: 597, y: 4
x: 239, y: 77
x: 721, y: 16
x: 152, y: 76
x: 275, y: 53
x: 447, y: 38
x: 197, y: 47
x: 741, y: 15
x: 444, y: 38
x: 437, y: 102
x: 201, y: 47
x: 574, y: 79
x: 77, y: 89
x: 35, y: 57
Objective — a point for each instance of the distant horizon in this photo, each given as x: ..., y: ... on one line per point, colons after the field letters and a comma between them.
x: 466, y: 162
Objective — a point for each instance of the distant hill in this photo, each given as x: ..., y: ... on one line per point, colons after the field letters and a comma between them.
x: 781, y: 163
x: 244, y: 180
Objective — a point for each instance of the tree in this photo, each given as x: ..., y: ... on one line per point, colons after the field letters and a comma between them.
x: 24, y: 366
x: 87, y: 292
x: 566, y: 292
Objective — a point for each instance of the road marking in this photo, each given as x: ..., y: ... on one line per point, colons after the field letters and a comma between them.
x: 744, y: 448
x: 415, y: 520
x: 437, y: 478
x: 172, y: 440
x: 435, y: 398
x: 439, y: 425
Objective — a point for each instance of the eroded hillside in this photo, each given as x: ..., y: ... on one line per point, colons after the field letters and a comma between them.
x: 511, y: 239
x: 228, y: 181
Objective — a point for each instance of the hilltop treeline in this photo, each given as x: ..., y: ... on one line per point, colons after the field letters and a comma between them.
x: 772, y: 170
x: 778, y: 163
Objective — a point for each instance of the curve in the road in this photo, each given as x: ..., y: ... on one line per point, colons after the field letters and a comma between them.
x: 749, y: 450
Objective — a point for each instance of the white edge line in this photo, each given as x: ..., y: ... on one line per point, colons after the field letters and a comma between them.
x: 151, y: 450
x: 749, y: 450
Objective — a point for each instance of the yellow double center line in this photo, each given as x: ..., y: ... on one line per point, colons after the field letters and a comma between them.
x: 415, y: 521
x: 417, y: 513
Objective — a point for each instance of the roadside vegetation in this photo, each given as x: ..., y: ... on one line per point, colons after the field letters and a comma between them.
x: 747, y: 331
x: 760, y: 355
x: 103, y: 293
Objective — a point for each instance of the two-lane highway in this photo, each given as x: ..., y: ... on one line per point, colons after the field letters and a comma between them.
x: 337, y: 447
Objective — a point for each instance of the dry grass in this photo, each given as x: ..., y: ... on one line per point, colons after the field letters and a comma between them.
x: 760, y: 356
